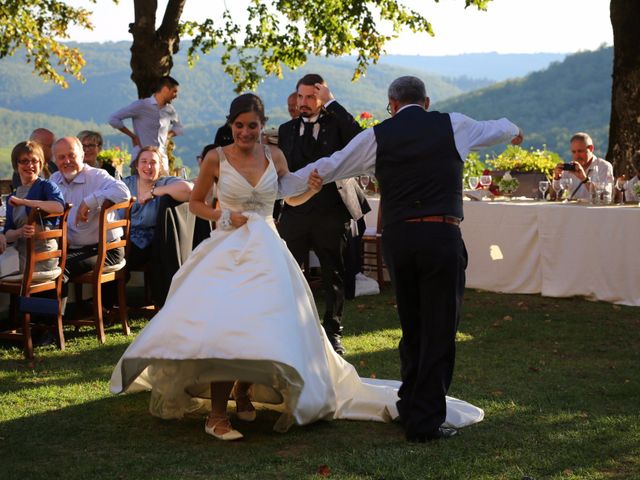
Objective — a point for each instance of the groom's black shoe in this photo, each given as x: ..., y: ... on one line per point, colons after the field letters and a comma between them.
x: 442, y: 432
x: 334, y: 340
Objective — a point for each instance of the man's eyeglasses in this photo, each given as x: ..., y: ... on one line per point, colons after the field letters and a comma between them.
x: 389, y: 109
x: 29, y: 161
x: 91, y: 145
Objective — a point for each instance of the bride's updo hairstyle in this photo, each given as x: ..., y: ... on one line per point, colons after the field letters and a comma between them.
x: 245, y: 103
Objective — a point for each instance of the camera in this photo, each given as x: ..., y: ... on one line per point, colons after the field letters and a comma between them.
x: 569, y: 167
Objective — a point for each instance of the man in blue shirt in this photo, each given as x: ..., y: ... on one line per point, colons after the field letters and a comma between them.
x: 154, y: 119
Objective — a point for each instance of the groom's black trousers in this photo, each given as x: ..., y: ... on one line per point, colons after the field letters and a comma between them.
x: 426, y: 262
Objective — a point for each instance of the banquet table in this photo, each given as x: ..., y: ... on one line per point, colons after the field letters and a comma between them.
x: 555, y: 249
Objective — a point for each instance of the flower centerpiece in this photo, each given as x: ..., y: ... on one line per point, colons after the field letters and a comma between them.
x: 366, y: 120
x: 116, y: 157
x: 528, y: 166
x: 507, y: 184
x: 517, y: 159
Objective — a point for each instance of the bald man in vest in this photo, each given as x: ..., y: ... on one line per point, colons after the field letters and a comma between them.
x: 417, y: 157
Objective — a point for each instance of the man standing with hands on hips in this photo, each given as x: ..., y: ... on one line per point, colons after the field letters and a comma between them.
x: 417, y: 157
x: 322, y: 223
x: 154, y: 119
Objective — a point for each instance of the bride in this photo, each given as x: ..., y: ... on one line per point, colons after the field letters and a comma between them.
x: 240, y: 319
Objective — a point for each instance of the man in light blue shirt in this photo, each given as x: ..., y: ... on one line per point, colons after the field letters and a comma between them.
x: 86, y: 188
x: 154, y: 119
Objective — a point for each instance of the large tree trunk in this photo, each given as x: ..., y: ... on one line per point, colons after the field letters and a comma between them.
x: 624, y: 127
x: 152, y: 50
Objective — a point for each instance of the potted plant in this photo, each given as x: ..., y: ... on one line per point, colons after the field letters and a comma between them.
x: 116, y: 157
x: 528, y: 166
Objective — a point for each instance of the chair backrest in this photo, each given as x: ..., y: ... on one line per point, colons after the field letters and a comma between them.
x: 122, y: 221
x: 57, y: 231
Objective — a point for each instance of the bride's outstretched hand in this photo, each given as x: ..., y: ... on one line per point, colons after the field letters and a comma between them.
x: 315, y: 181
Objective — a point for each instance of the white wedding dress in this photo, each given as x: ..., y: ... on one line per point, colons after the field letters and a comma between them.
x: 240, y: 309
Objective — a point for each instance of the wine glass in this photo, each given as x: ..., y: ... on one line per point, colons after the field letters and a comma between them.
x: 543, y: 186
x: 565, y: 183
x: 621, y: 186
x: 474, y: 182
x: 557, y: 188
x: 364, y: 181
x: 485, y: 181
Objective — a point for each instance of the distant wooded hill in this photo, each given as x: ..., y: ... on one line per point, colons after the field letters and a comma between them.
x: 568, y: 96
x: 552, y: 104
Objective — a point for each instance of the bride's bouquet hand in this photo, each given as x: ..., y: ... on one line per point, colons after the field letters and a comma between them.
x: 315, y: 181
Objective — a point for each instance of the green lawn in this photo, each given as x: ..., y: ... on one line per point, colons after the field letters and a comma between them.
x: 559, y: 381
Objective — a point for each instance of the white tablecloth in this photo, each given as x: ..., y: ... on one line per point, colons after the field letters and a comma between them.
x: 558, y: 250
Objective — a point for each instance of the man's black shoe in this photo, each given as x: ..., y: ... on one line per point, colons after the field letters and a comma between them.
x: 334, y: 340
x: 442, y: 432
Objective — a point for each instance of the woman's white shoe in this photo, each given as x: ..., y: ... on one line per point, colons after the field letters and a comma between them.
x: 231, y: 434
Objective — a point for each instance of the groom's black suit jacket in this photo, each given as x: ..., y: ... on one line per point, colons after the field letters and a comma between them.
x: 337, y: 128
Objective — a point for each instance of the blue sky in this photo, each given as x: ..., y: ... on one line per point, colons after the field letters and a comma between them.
x: 508, y: 26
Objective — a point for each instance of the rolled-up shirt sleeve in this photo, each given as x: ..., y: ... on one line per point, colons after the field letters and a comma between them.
x: 176, y: 126
x: 358, y: 157
x: 108, y: 188
x: 116, y: 118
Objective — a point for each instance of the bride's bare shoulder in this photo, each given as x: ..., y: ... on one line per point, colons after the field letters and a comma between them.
x: 279, y: 160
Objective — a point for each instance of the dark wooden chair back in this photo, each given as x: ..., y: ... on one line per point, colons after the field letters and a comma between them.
x: 102, y: 273
x: 31, y: 281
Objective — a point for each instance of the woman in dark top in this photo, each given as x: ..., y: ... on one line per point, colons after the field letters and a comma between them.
x: 27, y: 159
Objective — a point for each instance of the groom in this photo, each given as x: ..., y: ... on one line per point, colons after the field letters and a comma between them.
x: 417, y: 157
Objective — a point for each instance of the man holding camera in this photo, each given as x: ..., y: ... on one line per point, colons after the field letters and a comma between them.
x: 585, y: 169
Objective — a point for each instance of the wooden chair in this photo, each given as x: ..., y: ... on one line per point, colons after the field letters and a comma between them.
x: 102, y: 273
x: 31, y: 282
x: 372, y: 249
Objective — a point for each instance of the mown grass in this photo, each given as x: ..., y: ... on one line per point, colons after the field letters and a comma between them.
x: 558, y: 379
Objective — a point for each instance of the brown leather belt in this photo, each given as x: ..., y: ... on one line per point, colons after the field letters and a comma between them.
x: 436, y: 218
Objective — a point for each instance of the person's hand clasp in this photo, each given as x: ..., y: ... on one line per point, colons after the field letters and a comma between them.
x: 315, y: 181
x: 237, y: 219
x: 27, y: 231
x: 83, y: 213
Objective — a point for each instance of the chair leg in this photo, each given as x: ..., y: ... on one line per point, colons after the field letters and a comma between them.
x: 380, y: 266
x: 122, y: 305
x: 59, y: 331
x: 26, y: 333
x: 97, y: 311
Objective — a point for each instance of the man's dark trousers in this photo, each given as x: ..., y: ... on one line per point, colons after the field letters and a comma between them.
x: 427, y: 264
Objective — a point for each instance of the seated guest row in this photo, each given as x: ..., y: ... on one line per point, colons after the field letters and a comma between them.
x: 86, y: 188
